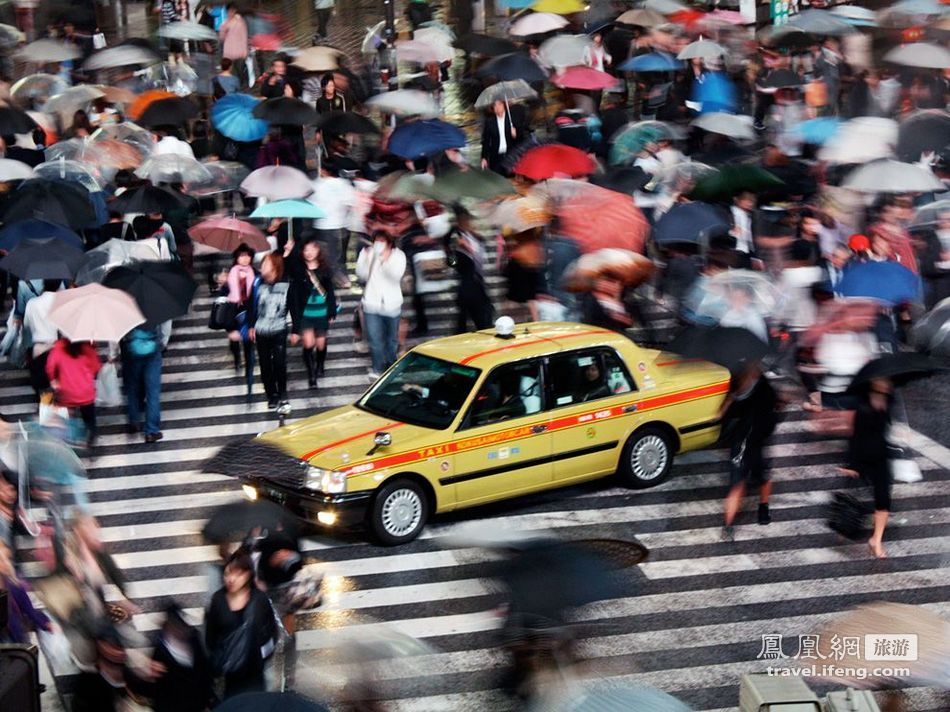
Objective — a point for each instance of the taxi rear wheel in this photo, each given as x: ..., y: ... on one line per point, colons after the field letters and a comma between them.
x: 647, y: 458
x: 399, y: 512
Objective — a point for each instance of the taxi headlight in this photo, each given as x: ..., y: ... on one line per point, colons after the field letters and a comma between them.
x: 329, y: 481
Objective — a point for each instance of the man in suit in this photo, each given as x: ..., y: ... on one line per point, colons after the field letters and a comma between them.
x: 499, y: 136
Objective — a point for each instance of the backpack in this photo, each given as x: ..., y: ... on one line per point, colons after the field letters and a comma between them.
x: 142, y: 342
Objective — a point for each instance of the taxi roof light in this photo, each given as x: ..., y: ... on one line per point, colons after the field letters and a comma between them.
x: 505, y: 327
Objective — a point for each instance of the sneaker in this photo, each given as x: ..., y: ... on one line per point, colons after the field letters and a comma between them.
x: 362, y: 347
x: 373, y: 376
x: 283, y: 408
x: 133, y: 428
x: 153, y: 437
x: 272, y: 402
x: 764, y: 516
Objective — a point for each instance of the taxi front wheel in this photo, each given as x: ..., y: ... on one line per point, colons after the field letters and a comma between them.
x: 399, y: 512
x: 647, y: 458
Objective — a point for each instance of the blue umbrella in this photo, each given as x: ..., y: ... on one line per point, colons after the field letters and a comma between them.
x: 231, y: 115
x: 652, y: 62
x: 292, y: 208
x: 32, y: 229
x: 615, y: 697
x: 517, y: 4
x: 689, y: 222
x: 716, y: 93
x: 887, y: 282
x: 818, y: 131
x: 423, y: 138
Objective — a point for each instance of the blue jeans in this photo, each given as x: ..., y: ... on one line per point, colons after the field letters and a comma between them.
x: 142, y: 376
x: 382, y: 333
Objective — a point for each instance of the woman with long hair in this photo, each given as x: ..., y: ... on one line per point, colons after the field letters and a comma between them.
x: 312, y: 305
x: 241, y: 281
x: 81, y: 127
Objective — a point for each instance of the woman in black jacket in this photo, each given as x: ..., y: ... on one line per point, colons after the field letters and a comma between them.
x: 311, y: 302
x: 184, y: 678
x: 240, y: 632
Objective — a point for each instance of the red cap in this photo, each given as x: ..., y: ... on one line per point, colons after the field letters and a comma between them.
x: 859, y: 243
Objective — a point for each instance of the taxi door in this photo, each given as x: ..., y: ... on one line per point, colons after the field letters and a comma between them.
x: 503, y: 446
x: 592, y: 401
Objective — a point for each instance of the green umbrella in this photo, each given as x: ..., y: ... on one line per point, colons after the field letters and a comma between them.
x: 633, y: 138
x: 729, y: 181
x: 453, y: 185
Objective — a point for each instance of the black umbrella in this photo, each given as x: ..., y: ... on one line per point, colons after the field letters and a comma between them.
x: 257, y: 458
x: 163, y: 290
x: 234, y: 521
x: 270, y: 702
x: 345, y: 122
x: 899, y: 368
x: 175, y: 111
x: 622, y: 180
x: 729, y: 181
x: 729, y: 346
x: 547, y: 577
x: 923, y: 132
x: 782, y: 79
x: 689, y: 222
x: 54, y: 201
x: 486, y: 45
x: 14, y: 233
x: 515, y: 65
x: 286, y: 111
x: 147, y: 199
x: 43, y: 258
x: 14, y: 121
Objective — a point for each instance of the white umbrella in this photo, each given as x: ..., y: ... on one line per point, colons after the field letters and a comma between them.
x: 928, y: 215
x: 120, y: 56
x: 94, y: 313
x: 537, y: 23
x: 665, y: 7
x: 866, y: 138
x: 887, y: 176
x: 47, y: 52
x: 173, y: 168
x: 14, y: 170
x: 36, y: 87
x: 406, y: 102
x: 564, y: 51
x: 702, y: 49
x: 373, y: 38
x: 66, y: 103
x: 641, y: 18
x: 731, y: 125
x: 318, y: 59
x: 74, y: 171
x: 510, y: 91
x: 854, y: 15
x: 909, y: 13
x: 419, y: 52
x: 112, y: 253
x: 920, y: 54
x: 188, y: 31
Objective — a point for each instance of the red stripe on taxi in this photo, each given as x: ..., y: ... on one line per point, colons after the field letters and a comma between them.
x: 322, y: 448
x: 487, y: 352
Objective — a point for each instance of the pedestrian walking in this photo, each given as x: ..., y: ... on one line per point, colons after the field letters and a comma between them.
x: 142, y: 376
x: 234, y: 43
x: 71, y: 368
x: 268, y: 319
x: 182, y: 670
x: 472, y: 300
x: 311, y: 301
x: 322, y: 12
x: 241, y: 283
x: 20, y: 615
x: 380, y: 268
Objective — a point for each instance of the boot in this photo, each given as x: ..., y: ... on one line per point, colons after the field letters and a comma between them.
x: 235, y: 347
x: 321, y: 359
x: 309, y: 361
x: 249, y: 366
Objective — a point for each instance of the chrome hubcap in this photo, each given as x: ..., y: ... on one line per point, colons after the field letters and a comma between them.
x: 648, y: 458
x: 401, y: 512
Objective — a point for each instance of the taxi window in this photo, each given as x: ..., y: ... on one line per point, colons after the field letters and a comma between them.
x: 509, y: 392
x: 584, y: 376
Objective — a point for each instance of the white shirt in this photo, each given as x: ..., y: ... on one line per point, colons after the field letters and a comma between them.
x: 502, y: 138
x: 596, y: 57
x: 742, y: 230
x: 36, y: 320
x: 336, y: 197
x: 170, y: 144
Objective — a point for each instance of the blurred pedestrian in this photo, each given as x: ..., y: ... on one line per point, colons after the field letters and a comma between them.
x: 225, y: 82
x: 20, y: 616
x: 239, y: 629
x: 322, y: 12
x: 380, y: 267
x: 142, y: 377
x: 71, y: 368
x: 472, y: 300
x: 181, y: 669
x: 81, y: 127
x: 330, y: 99
x: 241, y: 283
x: 275, y: 83
x: 268, y: 319
x: 499, y: 137
x: 234, y: 43
x: 311, y: 301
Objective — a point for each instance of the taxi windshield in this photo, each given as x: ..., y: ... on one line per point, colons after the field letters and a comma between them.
x: 421, y: 390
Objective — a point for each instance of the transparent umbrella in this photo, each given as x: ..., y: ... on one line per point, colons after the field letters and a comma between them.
x: 739, y: 288
x: 36, y: 89
x: 405, y: 102
x: 172, y: 168
x: 110, y: 254
x: 126, y: 132
x: 564, y: 50
x: 74, y: 171
x: 67, y: 102
x: 226, y: 176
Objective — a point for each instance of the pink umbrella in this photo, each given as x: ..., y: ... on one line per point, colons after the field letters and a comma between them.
x: 277, y: 183
x: 227, y: 233
x: 584, y: 78
x: 94, y: 313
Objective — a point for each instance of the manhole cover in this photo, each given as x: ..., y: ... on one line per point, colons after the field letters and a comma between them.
x: 617, y: 553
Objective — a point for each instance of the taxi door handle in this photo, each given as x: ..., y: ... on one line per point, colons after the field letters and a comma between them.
x: 630, y: 408
x: 538, y: 428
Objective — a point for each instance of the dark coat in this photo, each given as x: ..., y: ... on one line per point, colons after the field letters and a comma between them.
x: 180, y: 688
x: 299, y: 292
x: 491, y: 140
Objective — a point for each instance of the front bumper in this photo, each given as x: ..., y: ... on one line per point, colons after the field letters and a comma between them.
x: 346, y: 510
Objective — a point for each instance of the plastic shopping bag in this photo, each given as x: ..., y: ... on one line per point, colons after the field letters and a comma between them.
x: 108, y: 391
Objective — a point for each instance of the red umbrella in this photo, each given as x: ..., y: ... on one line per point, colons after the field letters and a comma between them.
x: 227, y: 233
x: 597, y: 219
x: 585, y: 78
x: 554, y: 160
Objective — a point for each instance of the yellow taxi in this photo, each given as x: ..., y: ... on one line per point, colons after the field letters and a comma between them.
x: 476, y: 418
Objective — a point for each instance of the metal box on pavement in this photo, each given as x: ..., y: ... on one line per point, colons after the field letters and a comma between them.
x: 759, y: 692
x: 851, y: 700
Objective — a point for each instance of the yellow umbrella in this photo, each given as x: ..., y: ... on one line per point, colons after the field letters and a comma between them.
x: 559, y: 7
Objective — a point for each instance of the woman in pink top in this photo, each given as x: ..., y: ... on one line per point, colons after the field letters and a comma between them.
x: 241, y: 279
x: 234, y: 42
x: 71, y: 368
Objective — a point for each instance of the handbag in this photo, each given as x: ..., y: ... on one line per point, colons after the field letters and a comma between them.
x: 223, y: 314
x: 234, y: 651
x: 903, y: 469
x: 432, y: 271
x: 847, y: 516
x: 108, y: 392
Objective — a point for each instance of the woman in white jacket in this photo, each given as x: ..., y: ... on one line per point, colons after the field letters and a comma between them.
x: 380, y: 268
